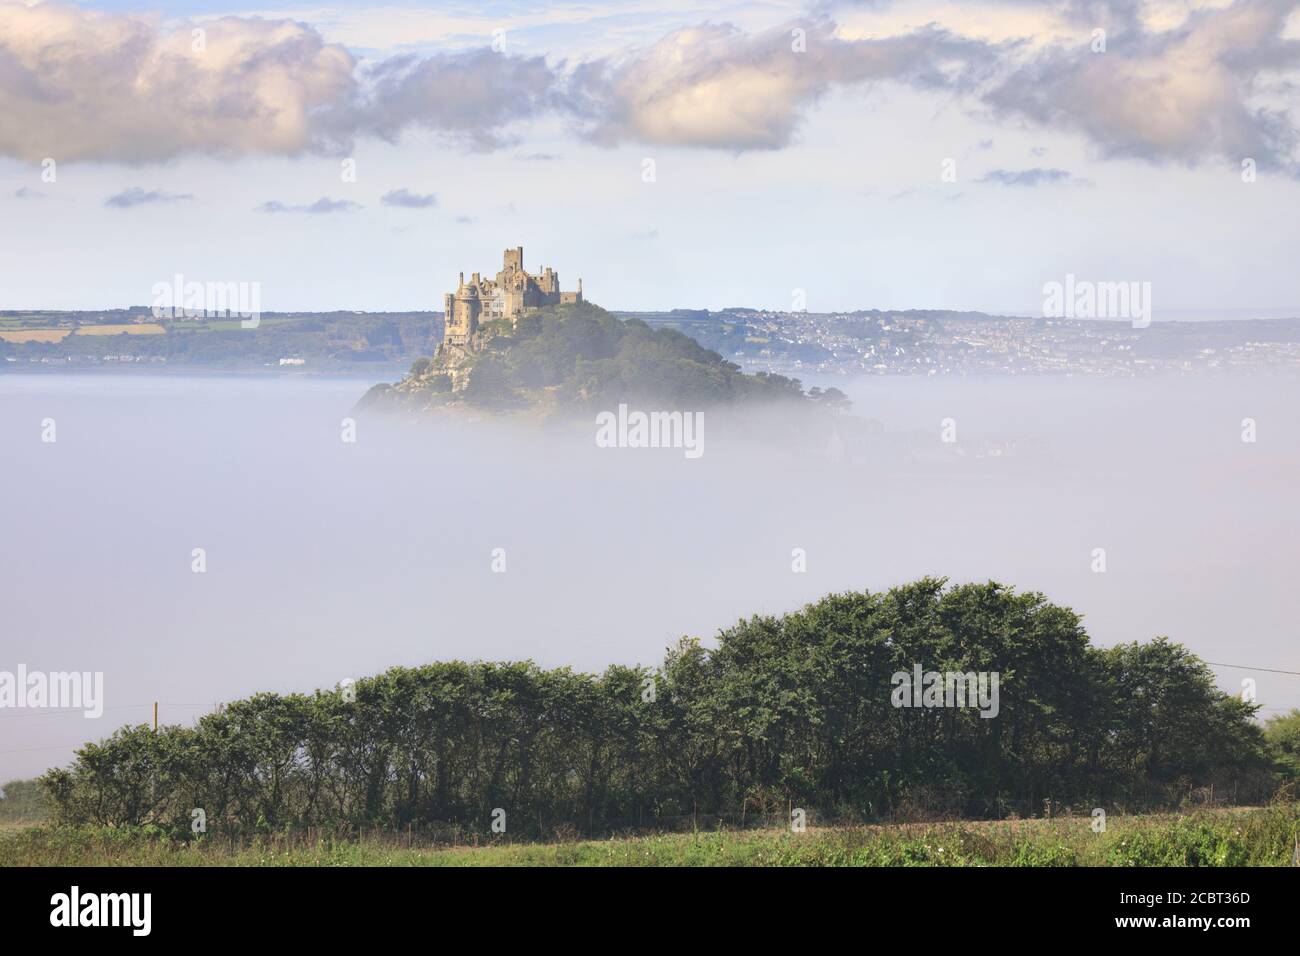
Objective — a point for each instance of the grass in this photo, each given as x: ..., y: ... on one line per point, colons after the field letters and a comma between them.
x: 35, y: 335
x: 133, y: 328
x: 1264, y: 836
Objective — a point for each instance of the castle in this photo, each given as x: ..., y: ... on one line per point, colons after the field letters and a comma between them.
x: 509, y: 296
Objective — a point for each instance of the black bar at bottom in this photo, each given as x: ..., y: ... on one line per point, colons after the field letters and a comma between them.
x: 332, y: 906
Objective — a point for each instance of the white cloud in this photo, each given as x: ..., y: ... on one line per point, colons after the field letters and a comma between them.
x: 716, y: 86
x: 1189, y: 93
x: 76, y: 84
x: 1187, y: 82
x: 320, y: 207
x: 405, y: 199
x: 467, y: 96
x: 135, y: 196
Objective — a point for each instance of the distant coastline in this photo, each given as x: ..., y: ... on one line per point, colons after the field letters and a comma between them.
x: 383, y: 345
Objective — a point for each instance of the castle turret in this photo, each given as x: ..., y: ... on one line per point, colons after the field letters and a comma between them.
x: 513, y: 293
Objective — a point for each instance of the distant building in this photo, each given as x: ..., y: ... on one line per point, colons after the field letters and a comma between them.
x: 509, y: 296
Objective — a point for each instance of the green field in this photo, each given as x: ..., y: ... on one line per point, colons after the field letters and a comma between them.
x: 327, y: 340
x: 1265, y: 836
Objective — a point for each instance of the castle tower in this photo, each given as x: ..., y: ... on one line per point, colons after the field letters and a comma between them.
x: 512, y: 294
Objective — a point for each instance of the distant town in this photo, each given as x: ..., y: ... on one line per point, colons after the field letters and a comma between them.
x: 856, y: 343
x: 972, y: 343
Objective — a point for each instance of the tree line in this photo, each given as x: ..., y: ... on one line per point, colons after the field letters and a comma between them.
x: 785, y: 711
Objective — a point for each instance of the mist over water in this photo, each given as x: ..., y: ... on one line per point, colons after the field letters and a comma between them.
x: 328, y: 560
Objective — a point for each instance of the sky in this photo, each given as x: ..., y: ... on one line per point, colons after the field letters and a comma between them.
x: 673, y: 155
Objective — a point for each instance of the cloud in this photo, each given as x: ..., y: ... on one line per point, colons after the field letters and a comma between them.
x: 1192, y: 84
x: 1032, y: 177
x: 1208, y: 88
x: 409, y: 200
x: 135, y: 196
x: 943, y: 195
x: 82, y: 85
x: 466, y: 97
x: 321, y: 206
x: 714, y: 86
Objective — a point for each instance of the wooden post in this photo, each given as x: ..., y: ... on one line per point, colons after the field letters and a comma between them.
x: 155, y: 716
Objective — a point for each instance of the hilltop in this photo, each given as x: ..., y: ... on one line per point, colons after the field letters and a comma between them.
x: 578, y: 357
